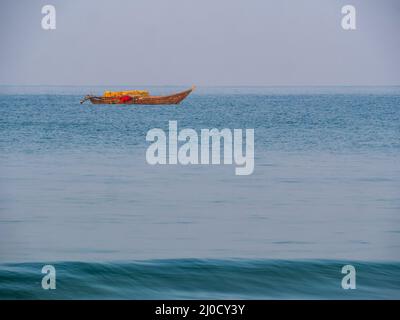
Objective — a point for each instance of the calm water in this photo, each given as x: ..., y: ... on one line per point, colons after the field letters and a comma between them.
x: 76, y: 192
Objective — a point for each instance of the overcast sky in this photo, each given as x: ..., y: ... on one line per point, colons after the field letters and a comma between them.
x: 203, y: 42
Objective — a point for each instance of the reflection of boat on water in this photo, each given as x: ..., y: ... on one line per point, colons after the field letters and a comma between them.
x: 175, y: 98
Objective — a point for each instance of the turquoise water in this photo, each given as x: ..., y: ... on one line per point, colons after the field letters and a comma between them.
x: 202, y: 279
x: 76, y: 192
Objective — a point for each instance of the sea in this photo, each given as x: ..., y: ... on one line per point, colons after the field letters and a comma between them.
x: 77, y: 193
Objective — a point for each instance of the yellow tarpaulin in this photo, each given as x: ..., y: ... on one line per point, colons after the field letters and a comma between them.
x: 125, y: 93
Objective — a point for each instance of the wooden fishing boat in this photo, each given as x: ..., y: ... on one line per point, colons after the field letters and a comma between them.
x: 175, y: 98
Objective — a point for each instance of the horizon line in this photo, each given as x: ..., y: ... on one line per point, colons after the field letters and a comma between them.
x: 205, y: 86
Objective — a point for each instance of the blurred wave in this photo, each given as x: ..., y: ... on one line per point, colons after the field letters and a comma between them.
x: 202, y: 279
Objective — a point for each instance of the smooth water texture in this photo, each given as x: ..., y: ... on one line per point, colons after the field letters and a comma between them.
x: 76, y: 191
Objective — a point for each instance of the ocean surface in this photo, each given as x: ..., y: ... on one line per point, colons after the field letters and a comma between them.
x: 76, y: 192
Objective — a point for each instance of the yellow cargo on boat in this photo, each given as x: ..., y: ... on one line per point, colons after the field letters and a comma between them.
x: 143, y: 93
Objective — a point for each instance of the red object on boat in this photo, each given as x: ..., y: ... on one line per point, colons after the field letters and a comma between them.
x: 124, y: 99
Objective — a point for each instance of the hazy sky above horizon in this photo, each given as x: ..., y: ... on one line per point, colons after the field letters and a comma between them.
x: 203, y: 42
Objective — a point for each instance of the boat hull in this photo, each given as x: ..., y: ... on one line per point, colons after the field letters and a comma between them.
x: 144, y: 100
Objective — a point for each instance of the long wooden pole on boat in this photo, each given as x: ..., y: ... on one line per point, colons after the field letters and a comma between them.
x: 85, y: 98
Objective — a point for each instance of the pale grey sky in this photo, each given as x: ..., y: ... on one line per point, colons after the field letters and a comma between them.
x: 203, y: 42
